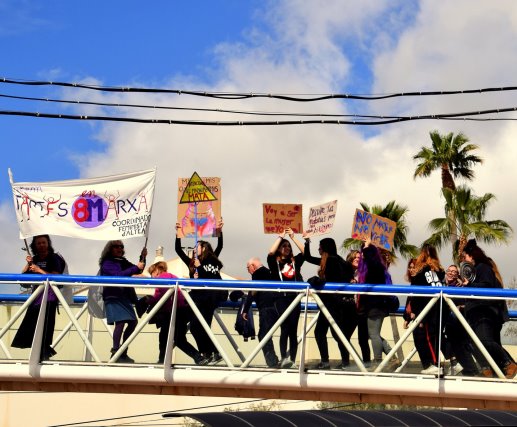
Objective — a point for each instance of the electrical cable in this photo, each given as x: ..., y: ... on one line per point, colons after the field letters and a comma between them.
x: 373, y: 120
x: 242, y: 95
x: 162, y: 107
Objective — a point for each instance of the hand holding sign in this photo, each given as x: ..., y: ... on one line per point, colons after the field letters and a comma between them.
x: 380, y: 231
x: 279, y: 217
x: 321, y: 219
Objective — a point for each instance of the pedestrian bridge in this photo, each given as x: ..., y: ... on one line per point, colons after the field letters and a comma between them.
x: 83, y: 362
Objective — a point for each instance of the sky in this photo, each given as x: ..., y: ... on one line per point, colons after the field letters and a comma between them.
x: 284, y: 46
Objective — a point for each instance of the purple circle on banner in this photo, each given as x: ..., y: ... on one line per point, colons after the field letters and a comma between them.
x: 89, y: 211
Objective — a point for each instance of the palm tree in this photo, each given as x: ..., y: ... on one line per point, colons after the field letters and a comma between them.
x: 396, y: 213
x: 453, y: 155
x: 469, y: 220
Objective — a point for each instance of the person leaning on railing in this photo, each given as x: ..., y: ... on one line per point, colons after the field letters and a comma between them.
x: 332, y: 269
x: 162, y: 317
x: 486, y: 317
x: 44, y: 261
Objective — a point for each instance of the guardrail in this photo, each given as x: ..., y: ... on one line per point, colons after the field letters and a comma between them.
x: 304, y: 294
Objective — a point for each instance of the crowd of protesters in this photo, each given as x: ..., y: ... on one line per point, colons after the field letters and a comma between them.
x: 436, y: 328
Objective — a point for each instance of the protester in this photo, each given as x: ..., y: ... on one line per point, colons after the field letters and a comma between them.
x: 456, y: 343
x: 354, y: 257
x: 427, y: 272
x: 285, y: 267
x: 43, y: 261
x: 268, y: 314
x: 204, y: 264
x: 486, y: 317
x: 373, y: 271
x: 332, y: 269
x: 119, y: 300
x: 162, y: 317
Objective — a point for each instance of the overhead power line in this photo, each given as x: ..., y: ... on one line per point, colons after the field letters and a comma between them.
x: 247, y: 95
x: 360, y: 120
x: 165, y: 107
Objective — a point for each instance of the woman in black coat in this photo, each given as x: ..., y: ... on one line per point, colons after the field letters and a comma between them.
x: 332, y: 269
x: 486, y: 317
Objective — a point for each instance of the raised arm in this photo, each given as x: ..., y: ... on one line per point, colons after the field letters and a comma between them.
x: 179, y: 250
x: 298, y: 244
x: 219, y: 247
x: 276, y: 243
x: 307, y: 254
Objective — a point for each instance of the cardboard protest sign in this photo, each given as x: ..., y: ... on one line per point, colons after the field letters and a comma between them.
x: 380, y: 230
x: 208, y: 210
x: 105, y: 208
x: 278, y: 217
x: 321, y: 219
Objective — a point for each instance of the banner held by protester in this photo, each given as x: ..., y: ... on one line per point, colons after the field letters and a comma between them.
x: 105, y: 208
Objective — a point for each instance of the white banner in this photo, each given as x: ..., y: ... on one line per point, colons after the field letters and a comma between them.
x: 106, y: 208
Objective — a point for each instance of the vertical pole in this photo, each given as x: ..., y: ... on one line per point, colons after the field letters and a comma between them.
x: 11, y: 181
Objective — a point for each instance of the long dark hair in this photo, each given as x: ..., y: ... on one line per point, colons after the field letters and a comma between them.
x: 370, y: 256
x: 479, y: 257
x: 207, y: 252
x: 278, y: 255
x: 33, y: 244
x: 328, y: 249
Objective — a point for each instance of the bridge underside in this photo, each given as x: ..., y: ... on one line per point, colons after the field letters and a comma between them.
x: 287, y: 384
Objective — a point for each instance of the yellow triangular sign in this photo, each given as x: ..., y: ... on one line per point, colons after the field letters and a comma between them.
x: 196, y: 191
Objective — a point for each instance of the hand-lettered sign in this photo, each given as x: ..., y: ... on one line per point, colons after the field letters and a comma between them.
x: 103, y: 208
x: 278, y: 217
x: 196, y: 191
x: 321, y: 219
x: 380, y: 230
x: 208, y: 212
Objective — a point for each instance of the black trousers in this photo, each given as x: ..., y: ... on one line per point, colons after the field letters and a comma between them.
x: 487, y: 326
x: 426, y: 343
x: 289, y: 328
x: 345, y: 316
x: 363, y: 337
x: 183, y: 317
x: 268, y: 316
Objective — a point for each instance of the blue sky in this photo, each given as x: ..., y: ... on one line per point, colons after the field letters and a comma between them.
x: 285, y: 46
x: 118, y: 43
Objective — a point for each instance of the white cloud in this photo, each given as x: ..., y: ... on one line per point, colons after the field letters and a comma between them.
x: 311, y: 48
